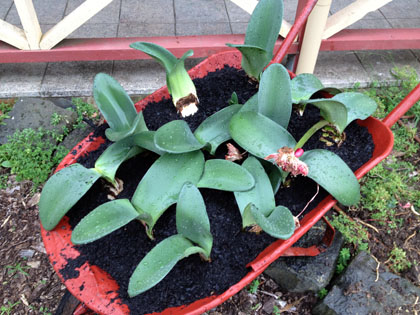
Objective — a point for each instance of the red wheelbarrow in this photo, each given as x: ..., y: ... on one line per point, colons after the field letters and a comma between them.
x: 98, y: 292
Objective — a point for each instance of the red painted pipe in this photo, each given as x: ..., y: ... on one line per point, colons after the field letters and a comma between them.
x: 297, y: 26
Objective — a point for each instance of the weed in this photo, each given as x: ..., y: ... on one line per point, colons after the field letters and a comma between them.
x: 44, y: 311
x: 253, y: 287
x: 353, y: 232
x: 84, y: 110
x: 343, y: 260
x: 4, y: 109
x: 276, y: 310
x: 7, y: 309
x: 397, y: 260
x: 3, y: 181
x: 322, y: 293
x: 30, y: 155
x: 17, y: 269
x: 56, y: 119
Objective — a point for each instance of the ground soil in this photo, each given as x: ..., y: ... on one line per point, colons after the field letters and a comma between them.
x: 40, y: 291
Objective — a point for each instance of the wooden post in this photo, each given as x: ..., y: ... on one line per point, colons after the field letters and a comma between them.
x: 29, y: 19
x: 71, y: 22
x: 351, y: 14
x: 312, y: 38
x: 13, y: 35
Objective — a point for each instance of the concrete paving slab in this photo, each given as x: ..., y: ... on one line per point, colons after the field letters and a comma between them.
x: 289, y: 10
x: 337, y: 5
x: 95, y: 31
x: 379, y: 64
x: 146, y: 11
x: 401, y: 9
x: 340, y: 69
x: 72, y: 78
x: 191, y: 11
x: 48, y: 12
x: 416, y: 53
x: 109, y: 14
x: 370, y: 23
x: 5, y: 6
x: 239, y: 28
x: 236, y: 14
x: 184, y: 29
x: 405, y: 23
x: 21, y: 80
x: 133, y: 29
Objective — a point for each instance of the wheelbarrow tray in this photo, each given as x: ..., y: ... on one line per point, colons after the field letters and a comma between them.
x: 97, y: 290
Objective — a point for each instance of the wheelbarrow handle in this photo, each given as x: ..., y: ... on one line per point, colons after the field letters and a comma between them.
x: 297, y: 26
x: 402, y: 107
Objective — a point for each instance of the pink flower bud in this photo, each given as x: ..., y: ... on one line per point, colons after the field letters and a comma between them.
x: 299, y: 152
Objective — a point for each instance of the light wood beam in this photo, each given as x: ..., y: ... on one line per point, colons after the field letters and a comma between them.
x: 29, y: 19
x: 13, y: 35
x: 351, y: 14
x: 71, y: 22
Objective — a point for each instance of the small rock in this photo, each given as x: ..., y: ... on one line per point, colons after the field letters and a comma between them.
x: 26, y: 253
x: 34, y: 264
x: 269, y: 305
x: 301, y: 274
x: 356, y: 291
x: 77, y: 135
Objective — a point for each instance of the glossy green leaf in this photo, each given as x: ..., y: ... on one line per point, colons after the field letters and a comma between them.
x: 305, y: 85
x: 251, y: 105
x: 176, y: 137
x: 359, y: 106
x: 279, y: 224
x: 264, y: 26
x: 146, y: 140
x: 62, y: 191
x: 116, y: 106
x: 215, y: 129
x: 104, y: 220
x: 159, y: 53
x: 258, y: 134
x: 225, y: 175
x: 332, y: 111
x: 254, y: 59
x: 191, y: 218
x: 160, y: 186
x: 111, y: 159
x: 179, y: 81
x: 329, y: 171
x: 261, y: 195
x: 275, y: 174
x: 159, y: 262
x: 137, y: 126
x: 274, y: 96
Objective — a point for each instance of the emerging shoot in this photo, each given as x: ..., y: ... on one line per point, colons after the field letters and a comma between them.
x: 180, y: 85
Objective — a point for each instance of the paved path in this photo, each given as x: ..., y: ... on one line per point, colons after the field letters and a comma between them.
x: 127, y: 18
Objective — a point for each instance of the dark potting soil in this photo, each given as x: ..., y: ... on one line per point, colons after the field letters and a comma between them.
x: 191, y: 279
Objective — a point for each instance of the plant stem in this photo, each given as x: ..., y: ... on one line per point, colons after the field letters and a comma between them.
x: 310, y: 133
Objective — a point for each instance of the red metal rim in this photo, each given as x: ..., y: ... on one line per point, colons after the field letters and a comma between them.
x: 96, y: 289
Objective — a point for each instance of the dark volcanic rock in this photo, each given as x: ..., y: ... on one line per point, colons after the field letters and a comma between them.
x: 357, y: 291
x: 301, y: 274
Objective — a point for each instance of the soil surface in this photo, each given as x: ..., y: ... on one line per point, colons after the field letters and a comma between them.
x: 232, y: 248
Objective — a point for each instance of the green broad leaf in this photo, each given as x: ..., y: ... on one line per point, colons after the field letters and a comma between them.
x: 274, y: 96
x: 111, y: 159
x: 275, y: 174
x: 329, y: 171
x: 115, y: 105
x: 305, y: 85
x: 215, y: 129
x: 258, y: 134
x: 225, y: 175
x: 261, y: 195
x: 264, y: 25
x: 137, y: 126
x: 279, y: 224
x: 191, y: 218
x: 159, y: 262
x: 250, y: 105
x: 359, y: 106
x: 254, y: 59
x: 62, y: 191
x: 159, y: 53
x: 161, y: 185
x: 179, y: 81
x: 146, y: 140
x: 332, y: 111
x: 176, y: 137
x: 6, y: 164
x: 104, y: 220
